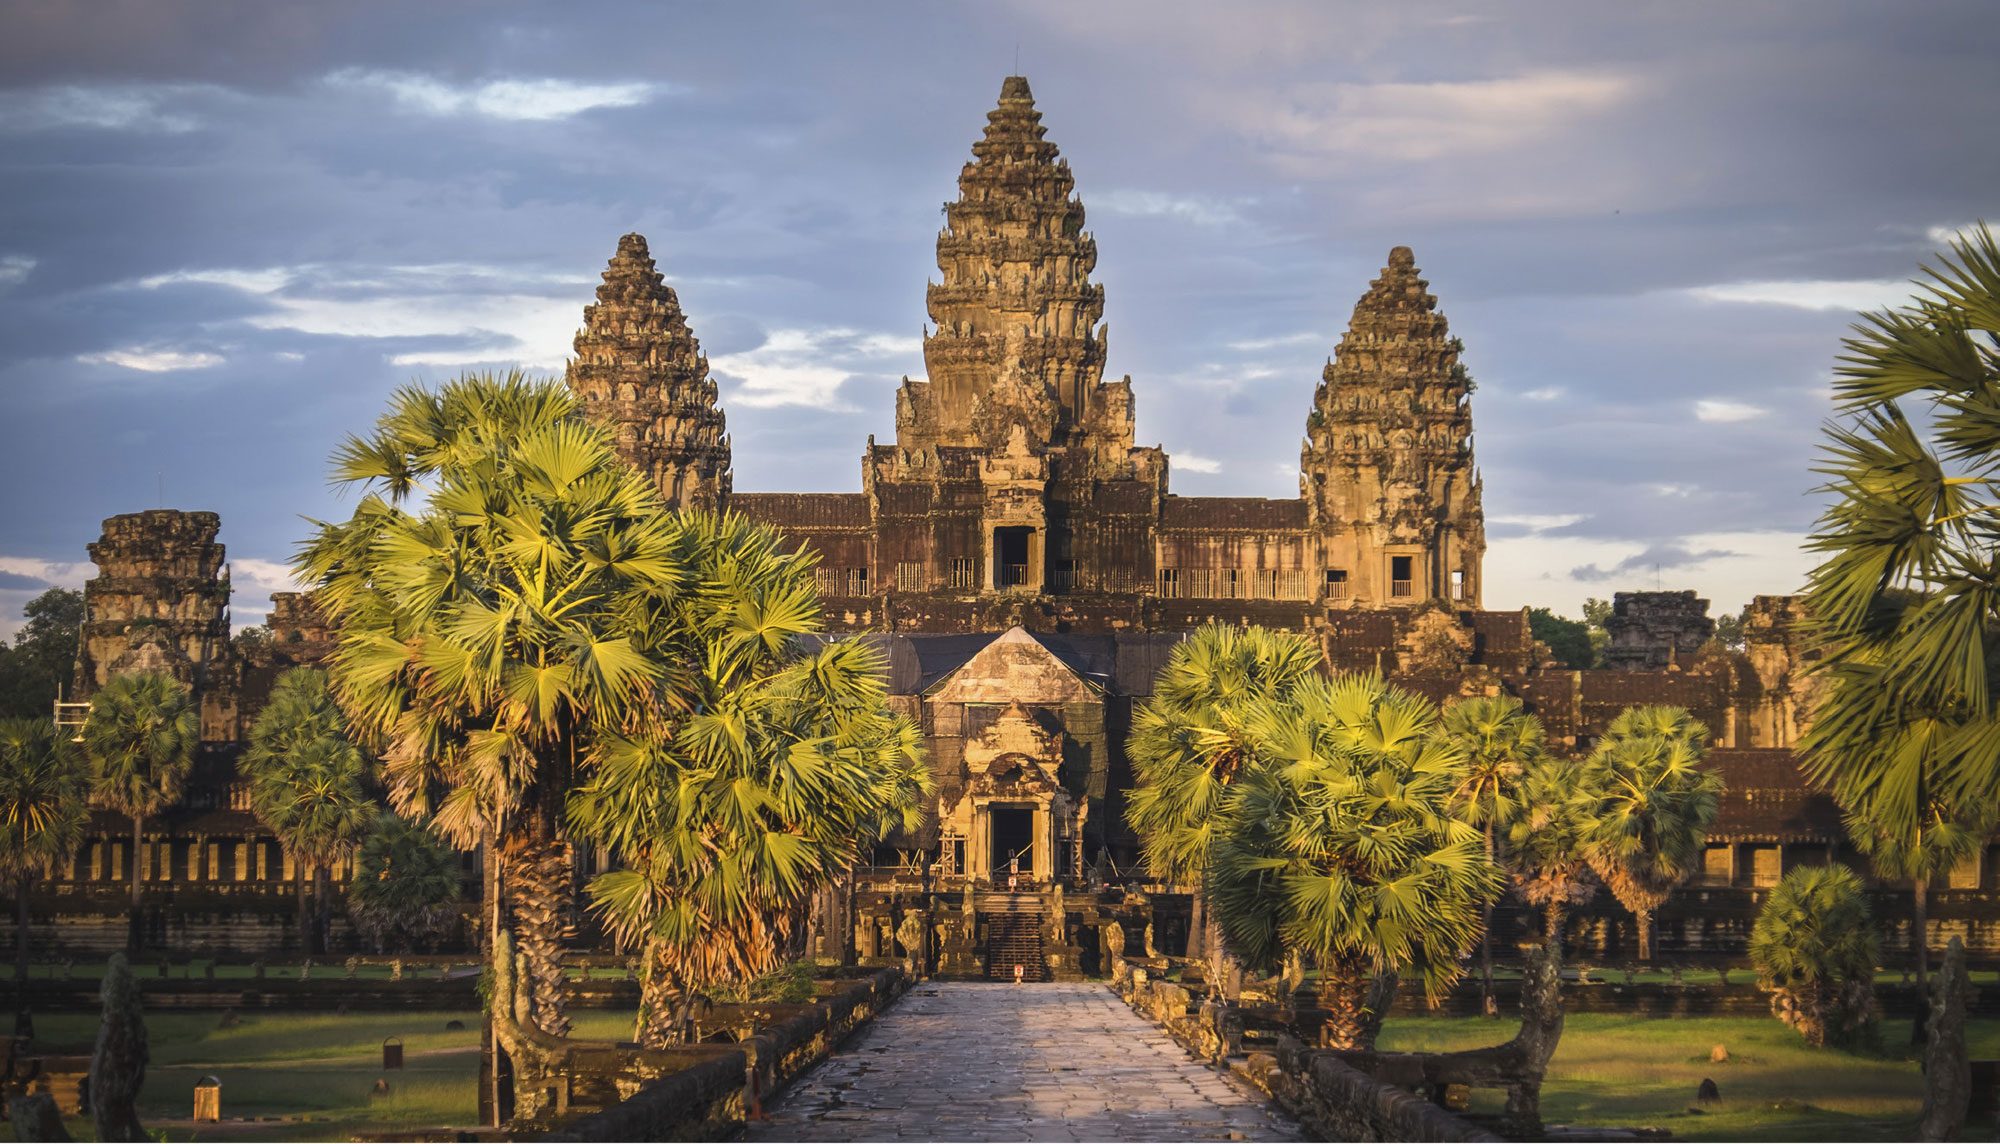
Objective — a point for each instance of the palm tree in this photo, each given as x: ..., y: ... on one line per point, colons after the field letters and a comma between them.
x: 406, y: 884
x: 43, y: 788
x: 306, y: 786
x: 1548, y: 843
x: 774, y: 769
x: 1499, y: 741
x: 1814, y: 945
x: 1188, y: 742
x: 1340, y: 841
x: 501, y: 589
x: 141, y: 735
x: 1650, y: 824
x: 1907, y: 738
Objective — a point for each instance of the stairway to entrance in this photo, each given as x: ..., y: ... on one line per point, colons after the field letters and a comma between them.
x: 1013, y: 936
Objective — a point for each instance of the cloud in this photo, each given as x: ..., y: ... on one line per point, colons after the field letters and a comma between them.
x: 1195, y: 464
x: 47, y: 573
x: 808, y: 367
x: 1198, y: 210
x: 533, y: 100
x: 1424, y: 121
x: 152, y: 360
x: 1727, y: 568
x: 1534, y: 524
x: 1654, y: 559
x: 1298, y: 339
x: 486, y: 314
x: 1861, y: 294
x: 1718, y: 412
x: 15, y: 268
x: 262, y: 281
x: 15, y: 582
x: 106, y: 108
x: 1946, y: 235
x: 1545, y: 393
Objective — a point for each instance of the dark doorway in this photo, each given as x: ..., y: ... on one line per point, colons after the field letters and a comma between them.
x: 1013, y: 836
x: 1010, y: 553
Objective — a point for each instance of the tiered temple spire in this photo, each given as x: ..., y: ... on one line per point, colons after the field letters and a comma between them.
x: 1017, y: 341
x: 1388, y: 451
x: 639, y: 372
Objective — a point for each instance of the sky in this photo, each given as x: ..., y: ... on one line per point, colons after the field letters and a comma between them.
x: 228, y: 232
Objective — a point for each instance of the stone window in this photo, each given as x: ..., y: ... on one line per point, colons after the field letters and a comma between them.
x: 1170, y: 583
x: 909, y: 577
x: 1715, y: 864
x: 829, y: 581
x: 1965, y: 875
x: 1766, y: 866
x: 1336, y: 583
x: 1199, y: 583
x: 1229, y: 584
x: 1457, y: 585
x: 857, y: 581
x: 1400, y: 579
x: 1264, y: 583
x: 1062, y: 576
x: 963, y: 573
x: 1292, y: 585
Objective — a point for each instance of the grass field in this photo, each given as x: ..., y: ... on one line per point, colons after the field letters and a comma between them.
x: 1614, y: 1070
x: 316, y: 1071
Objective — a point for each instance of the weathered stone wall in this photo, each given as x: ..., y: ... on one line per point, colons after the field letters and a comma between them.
x: 160, y: 602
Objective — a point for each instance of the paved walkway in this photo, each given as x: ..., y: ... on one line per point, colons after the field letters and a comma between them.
x: 965, y: 1061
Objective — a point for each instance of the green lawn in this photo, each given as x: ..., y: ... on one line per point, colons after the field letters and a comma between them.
x: 314, y: 1070
x: 1613, y: 1070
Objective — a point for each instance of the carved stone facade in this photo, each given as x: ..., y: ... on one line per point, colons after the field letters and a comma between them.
x: 1655, y: 630
x: 639, y: 371
x: 1386, y: 471
x: 160, y: 602
x: 1014, y: 492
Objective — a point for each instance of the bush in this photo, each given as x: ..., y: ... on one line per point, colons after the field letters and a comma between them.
x: 1815, y: 948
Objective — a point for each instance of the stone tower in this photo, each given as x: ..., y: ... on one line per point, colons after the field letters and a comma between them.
x: 639, y: 372
x: 1387, y: 471
x: 1018, y: 347
x: 160, y: 602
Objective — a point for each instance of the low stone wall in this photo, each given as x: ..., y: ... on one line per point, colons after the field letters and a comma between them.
x: 709, y: 1101
x: 1331, y: 1099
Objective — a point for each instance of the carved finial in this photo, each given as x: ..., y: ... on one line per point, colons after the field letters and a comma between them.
x: 1016, y: 87
x: 1402, y: 258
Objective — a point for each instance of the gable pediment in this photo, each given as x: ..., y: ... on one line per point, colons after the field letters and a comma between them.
x: 1015, y: 668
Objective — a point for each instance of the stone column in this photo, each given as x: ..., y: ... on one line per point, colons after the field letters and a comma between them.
x: 1045, y: 840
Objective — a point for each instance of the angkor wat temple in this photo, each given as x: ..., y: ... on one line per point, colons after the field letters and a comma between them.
x: 1026, y: 569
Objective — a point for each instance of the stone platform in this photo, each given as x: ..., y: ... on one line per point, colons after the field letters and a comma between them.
x: 972, y: 1061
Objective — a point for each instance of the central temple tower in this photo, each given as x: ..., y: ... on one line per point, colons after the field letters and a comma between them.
x: 1018, y: 344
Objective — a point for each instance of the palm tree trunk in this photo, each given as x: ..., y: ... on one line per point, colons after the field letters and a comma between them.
x: 1920, y: 950
x: 664, y: 1003
x: 1197, y: 941
x: 135, y: 938
x: 1645, y: 918
x: 1486, y: 939
x: 1552, y: 928
x: 299, y: 883
x: 1343, y: 992
x: 322, y: 908
x: 535, y: 882
x: 21, y: 939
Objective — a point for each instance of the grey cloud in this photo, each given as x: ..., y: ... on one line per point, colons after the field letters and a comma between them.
x: 15, y: 582
x: 1663, y: 558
